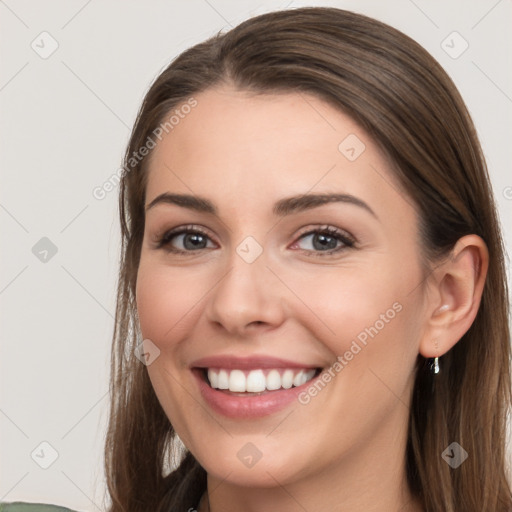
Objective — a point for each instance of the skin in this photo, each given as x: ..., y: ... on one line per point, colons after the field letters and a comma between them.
x: 344, y: 450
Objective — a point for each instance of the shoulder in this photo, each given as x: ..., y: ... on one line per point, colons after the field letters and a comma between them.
x: 21, y: 506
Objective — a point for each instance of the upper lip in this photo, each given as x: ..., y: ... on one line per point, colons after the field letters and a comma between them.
x: 248, y: 362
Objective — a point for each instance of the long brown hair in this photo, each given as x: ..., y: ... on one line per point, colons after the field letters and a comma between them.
x: 402, y: 97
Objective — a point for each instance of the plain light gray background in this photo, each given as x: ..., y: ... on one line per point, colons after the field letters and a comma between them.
x: 66, y: 118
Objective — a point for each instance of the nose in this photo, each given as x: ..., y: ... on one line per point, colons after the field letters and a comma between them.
x: 248, y: 297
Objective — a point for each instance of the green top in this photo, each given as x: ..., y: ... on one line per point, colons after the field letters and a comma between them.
x: 21, y: 506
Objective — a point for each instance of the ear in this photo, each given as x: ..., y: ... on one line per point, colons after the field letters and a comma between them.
x: 454, y: 295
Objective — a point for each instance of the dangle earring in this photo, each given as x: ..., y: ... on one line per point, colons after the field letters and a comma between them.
x: 434, y: 364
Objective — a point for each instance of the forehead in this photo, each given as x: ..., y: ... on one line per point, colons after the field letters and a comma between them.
x: 244, y: 149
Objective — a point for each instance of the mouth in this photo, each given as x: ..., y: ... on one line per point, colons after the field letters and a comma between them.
x: 258, y: 381
x: 244, y: 387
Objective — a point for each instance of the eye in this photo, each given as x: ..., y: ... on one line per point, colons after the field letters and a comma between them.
x: 190, y: 238
x: 324, y: 241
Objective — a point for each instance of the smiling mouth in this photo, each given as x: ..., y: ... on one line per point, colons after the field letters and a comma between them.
x: 257, y: 381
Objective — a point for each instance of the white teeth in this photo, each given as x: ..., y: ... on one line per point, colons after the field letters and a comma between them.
x: 273, y: 380
x: 213, y: 377
x: 287, y: 379
x: 237, y: 381
x: 297, y: 380
x: 255, y: 381
x: 223, y: 382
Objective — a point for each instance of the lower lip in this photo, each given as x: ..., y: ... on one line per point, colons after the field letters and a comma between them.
x: 238, y: 406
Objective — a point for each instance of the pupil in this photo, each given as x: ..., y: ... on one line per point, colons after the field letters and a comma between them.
x: 323, y: 239
x: 195, y: 240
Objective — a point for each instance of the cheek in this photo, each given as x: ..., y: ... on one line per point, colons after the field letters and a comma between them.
x: 345, y: 303
x: 166, y: 298
x: 367, y: 317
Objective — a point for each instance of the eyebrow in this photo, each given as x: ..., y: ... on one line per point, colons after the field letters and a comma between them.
x: 282, y: 208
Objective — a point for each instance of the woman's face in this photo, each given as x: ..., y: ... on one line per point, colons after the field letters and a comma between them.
x: 261, y: 300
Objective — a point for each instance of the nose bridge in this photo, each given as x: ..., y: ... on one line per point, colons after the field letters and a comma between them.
x: 248, y: 292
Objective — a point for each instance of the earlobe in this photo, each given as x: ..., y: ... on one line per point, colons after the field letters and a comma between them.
x: 456, y: 288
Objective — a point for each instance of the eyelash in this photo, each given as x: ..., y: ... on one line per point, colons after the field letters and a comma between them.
x: 163, y: 242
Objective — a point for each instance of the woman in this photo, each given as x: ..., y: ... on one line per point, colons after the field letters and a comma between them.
x: 312, y: 292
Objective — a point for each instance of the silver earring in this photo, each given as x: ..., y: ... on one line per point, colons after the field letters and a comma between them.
x: 434, y: 365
